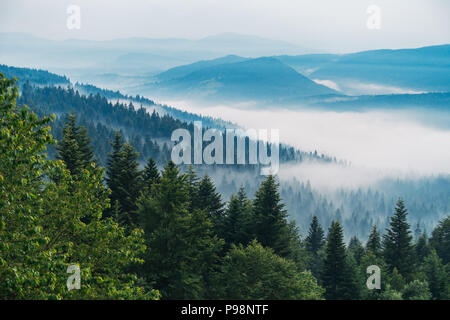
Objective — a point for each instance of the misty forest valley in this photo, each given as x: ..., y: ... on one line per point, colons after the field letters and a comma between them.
x: 87, y: 175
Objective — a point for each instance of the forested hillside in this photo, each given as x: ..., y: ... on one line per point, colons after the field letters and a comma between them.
x: 167, y: 234
x: 103, y: 111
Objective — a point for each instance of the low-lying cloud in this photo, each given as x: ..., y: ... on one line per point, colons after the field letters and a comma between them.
x: 377, y: 144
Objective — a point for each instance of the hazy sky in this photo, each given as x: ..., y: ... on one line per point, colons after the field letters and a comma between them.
x: 330, y: 25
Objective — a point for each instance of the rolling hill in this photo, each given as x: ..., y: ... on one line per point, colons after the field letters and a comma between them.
x: 262, y: 79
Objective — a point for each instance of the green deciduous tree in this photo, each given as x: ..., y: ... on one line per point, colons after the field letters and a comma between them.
x: 255, y: 272
x: 416, y: 290
x: 50, y: 220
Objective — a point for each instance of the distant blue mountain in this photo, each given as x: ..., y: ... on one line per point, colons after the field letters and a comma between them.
x: 184, y: 70
x: 261, y: 79
x: 421, y: 69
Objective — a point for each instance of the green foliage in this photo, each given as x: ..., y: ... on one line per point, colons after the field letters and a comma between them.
x: 125, y: 181
x: 238, y: 219
x: 356, y: 249
x: 74, y: 149
x: 374, y: 242
x: 209, y: 200
x: 271, y: 226
x: 182, y: 249
x: 49, y: 219
x: 397, y: 243
x: 150, y: 175
x: 416, y: 290
x: 440, y: 240
x: 255, y: 272
x: 436, y: 276
x: 315, y: 239
x: 338, y: 277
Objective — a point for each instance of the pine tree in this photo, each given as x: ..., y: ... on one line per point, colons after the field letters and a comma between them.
x: 315, y: 239
x: 356, y: 249
x: 182, y: 249
x: 238, y: 218
x: 440, y: 240
x: 436, y: 276
x: 113, y: 173
x: 374, y: 242
x: 397, y: 243
x: 192, y: 180
x: 270, y: 223
x: 336, y: 276
x: 130, y: 185
x: 422, y: 248
x: 74, y: 149
x: 151, y: 174
x: 210, y: 200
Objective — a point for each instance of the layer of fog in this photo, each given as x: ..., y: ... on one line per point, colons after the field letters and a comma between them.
x: 354, y: 87
x: 378, y: 144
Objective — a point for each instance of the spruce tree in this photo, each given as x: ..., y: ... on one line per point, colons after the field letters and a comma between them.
x: 398, y: 249
x: 129, y: 185
x: 440, y: 240
x: 436, y: 276
x: 422, y: 248
x: 238, y: 219
x: 315, y: 239
x: 192, y: 180
x: 374, y: 242
x: 270, y: 223
x: 113, y: 173
x: 336, y: 277
x: 356, y: 249
x: 182, y: 250
x: 209, y: 200
x: 75, y: 149
x: 150, y: 174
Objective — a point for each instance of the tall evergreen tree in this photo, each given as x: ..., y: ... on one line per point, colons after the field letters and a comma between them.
x: 271, y: 226
x: 422, y: 248
x: 356, y: 249
x: 398, y: 249
x: 113, y: 173
x: 75, y: 149
x: 336, y: 277
x: 210, y: 200
x: 315, y: 239
x: 440, y: 239
x: 436, y: 276
x: 238, y: 219
x: 151, y: 174
x: 130, y: 185
x: 182, y: 249
x: 192, y: 180
x: 374, y: 242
